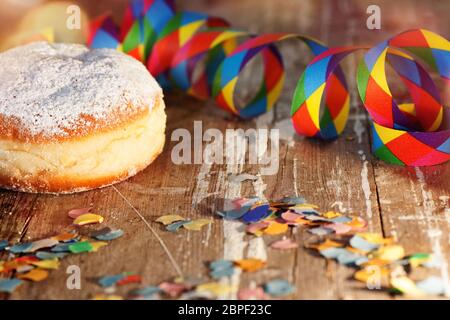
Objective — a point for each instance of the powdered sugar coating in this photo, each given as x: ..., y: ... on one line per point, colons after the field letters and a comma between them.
x: 54, y: 89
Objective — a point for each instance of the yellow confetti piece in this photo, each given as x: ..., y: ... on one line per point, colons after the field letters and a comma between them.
x: 305, y: 206
x: 197, y: 225
x: 106, y: 297
x: 375, y: 238
x: 35, y: 275
x: 376, y: 262
x: 250, y: 265
x: 88, y: 218
x: 215, y: 288
x: 419, y: 259
x: 331, y: 214
x: 390, y: 253
x: 406, y: 286
x: 373, y: 275
x: 357, y: 223
x: 47, y: 264
x: 276, y: 228
x: 169, y: 219
x: 97, y: 245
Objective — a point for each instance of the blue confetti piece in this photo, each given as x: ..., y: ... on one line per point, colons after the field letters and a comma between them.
x: 306, y: 212
x: 361, y: 261
x: 21, y: 247
x: 234, y: 214
x: 221, y: 264
x: 3, y: 244
x: 44, y: 255
x: 341, y: 219
x: 62, y: 247
x: 173, y: 227
x: 320, y: 231
x: 360, y: 243
x: 222, y: 273
x: 278, y: 287
x: 257, y: 214
x: 112, y: 235
x: 221, y: 269
x: 9, y: 285
x: 348, y: 258
x: 110, y: 281
x: 332, y: 253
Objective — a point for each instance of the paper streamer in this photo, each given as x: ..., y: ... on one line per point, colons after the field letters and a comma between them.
x: 204, y: 56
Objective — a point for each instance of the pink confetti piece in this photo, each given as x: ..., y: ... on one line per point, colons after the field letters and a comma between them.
x: 255, y: 227
x: 284, y: 244
x: 75, y: 213
x: 291, y: 216
x: 172, y: 289
x: 252, y: 294
x: 339, y: 228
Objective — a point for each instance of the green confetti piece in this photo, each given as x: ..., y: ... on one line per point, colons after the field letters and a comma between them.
x: 80, y: 247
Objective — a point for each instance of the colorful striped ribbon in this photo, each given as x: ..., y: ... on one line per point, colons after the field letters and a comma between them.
x: 205, y: 57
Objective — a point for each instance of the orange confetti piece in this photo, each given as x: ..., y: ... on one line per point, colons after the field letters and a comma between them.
x: 65, y: 236
x: 35, y: 275
x: 250, y: 265
x: 276, y: 228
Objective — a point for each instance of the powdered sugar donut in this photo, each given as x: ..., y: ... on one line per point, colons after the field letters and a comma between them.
x: 74, y: 119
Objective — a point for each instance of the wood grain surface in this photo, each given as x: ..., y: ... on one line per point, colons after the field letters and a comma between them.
x: 411, y: 204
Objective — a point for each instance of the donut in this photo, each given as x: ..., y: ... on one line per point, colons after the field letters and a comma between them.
x: 74, y: 119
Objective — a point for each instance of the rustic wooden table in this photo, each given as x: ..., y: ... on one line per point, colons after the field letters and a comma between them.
x: 411, y: 204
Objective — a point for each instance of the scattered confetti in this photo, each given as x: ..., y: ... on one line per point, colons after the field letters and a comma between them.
x: 250, y: 265
x: 216, y: 288
x: 284, y: 244
x: 35, y: 275
x: 80, y: 247
x: 3, y: 244
x: 173, y: 289
x: 44, y: 255
x: 221, y: 268
x: 169, y: 219
x: 197, y: 225
x: 252, y: 294
x: 109, y: 281
x: 75, y: 213
x: 173, y: 227
x: 97, y: 245
x: 41, y: 244
x: 47, y: 264
x: 111, y: 235
x: 88, y: 218
x: 278, y: 288
x: 9, y: 285
x: 21, y: 247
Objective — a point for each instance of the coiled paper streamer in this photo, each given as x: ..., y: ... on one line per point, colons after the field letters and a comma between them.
x: 176, y: 45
